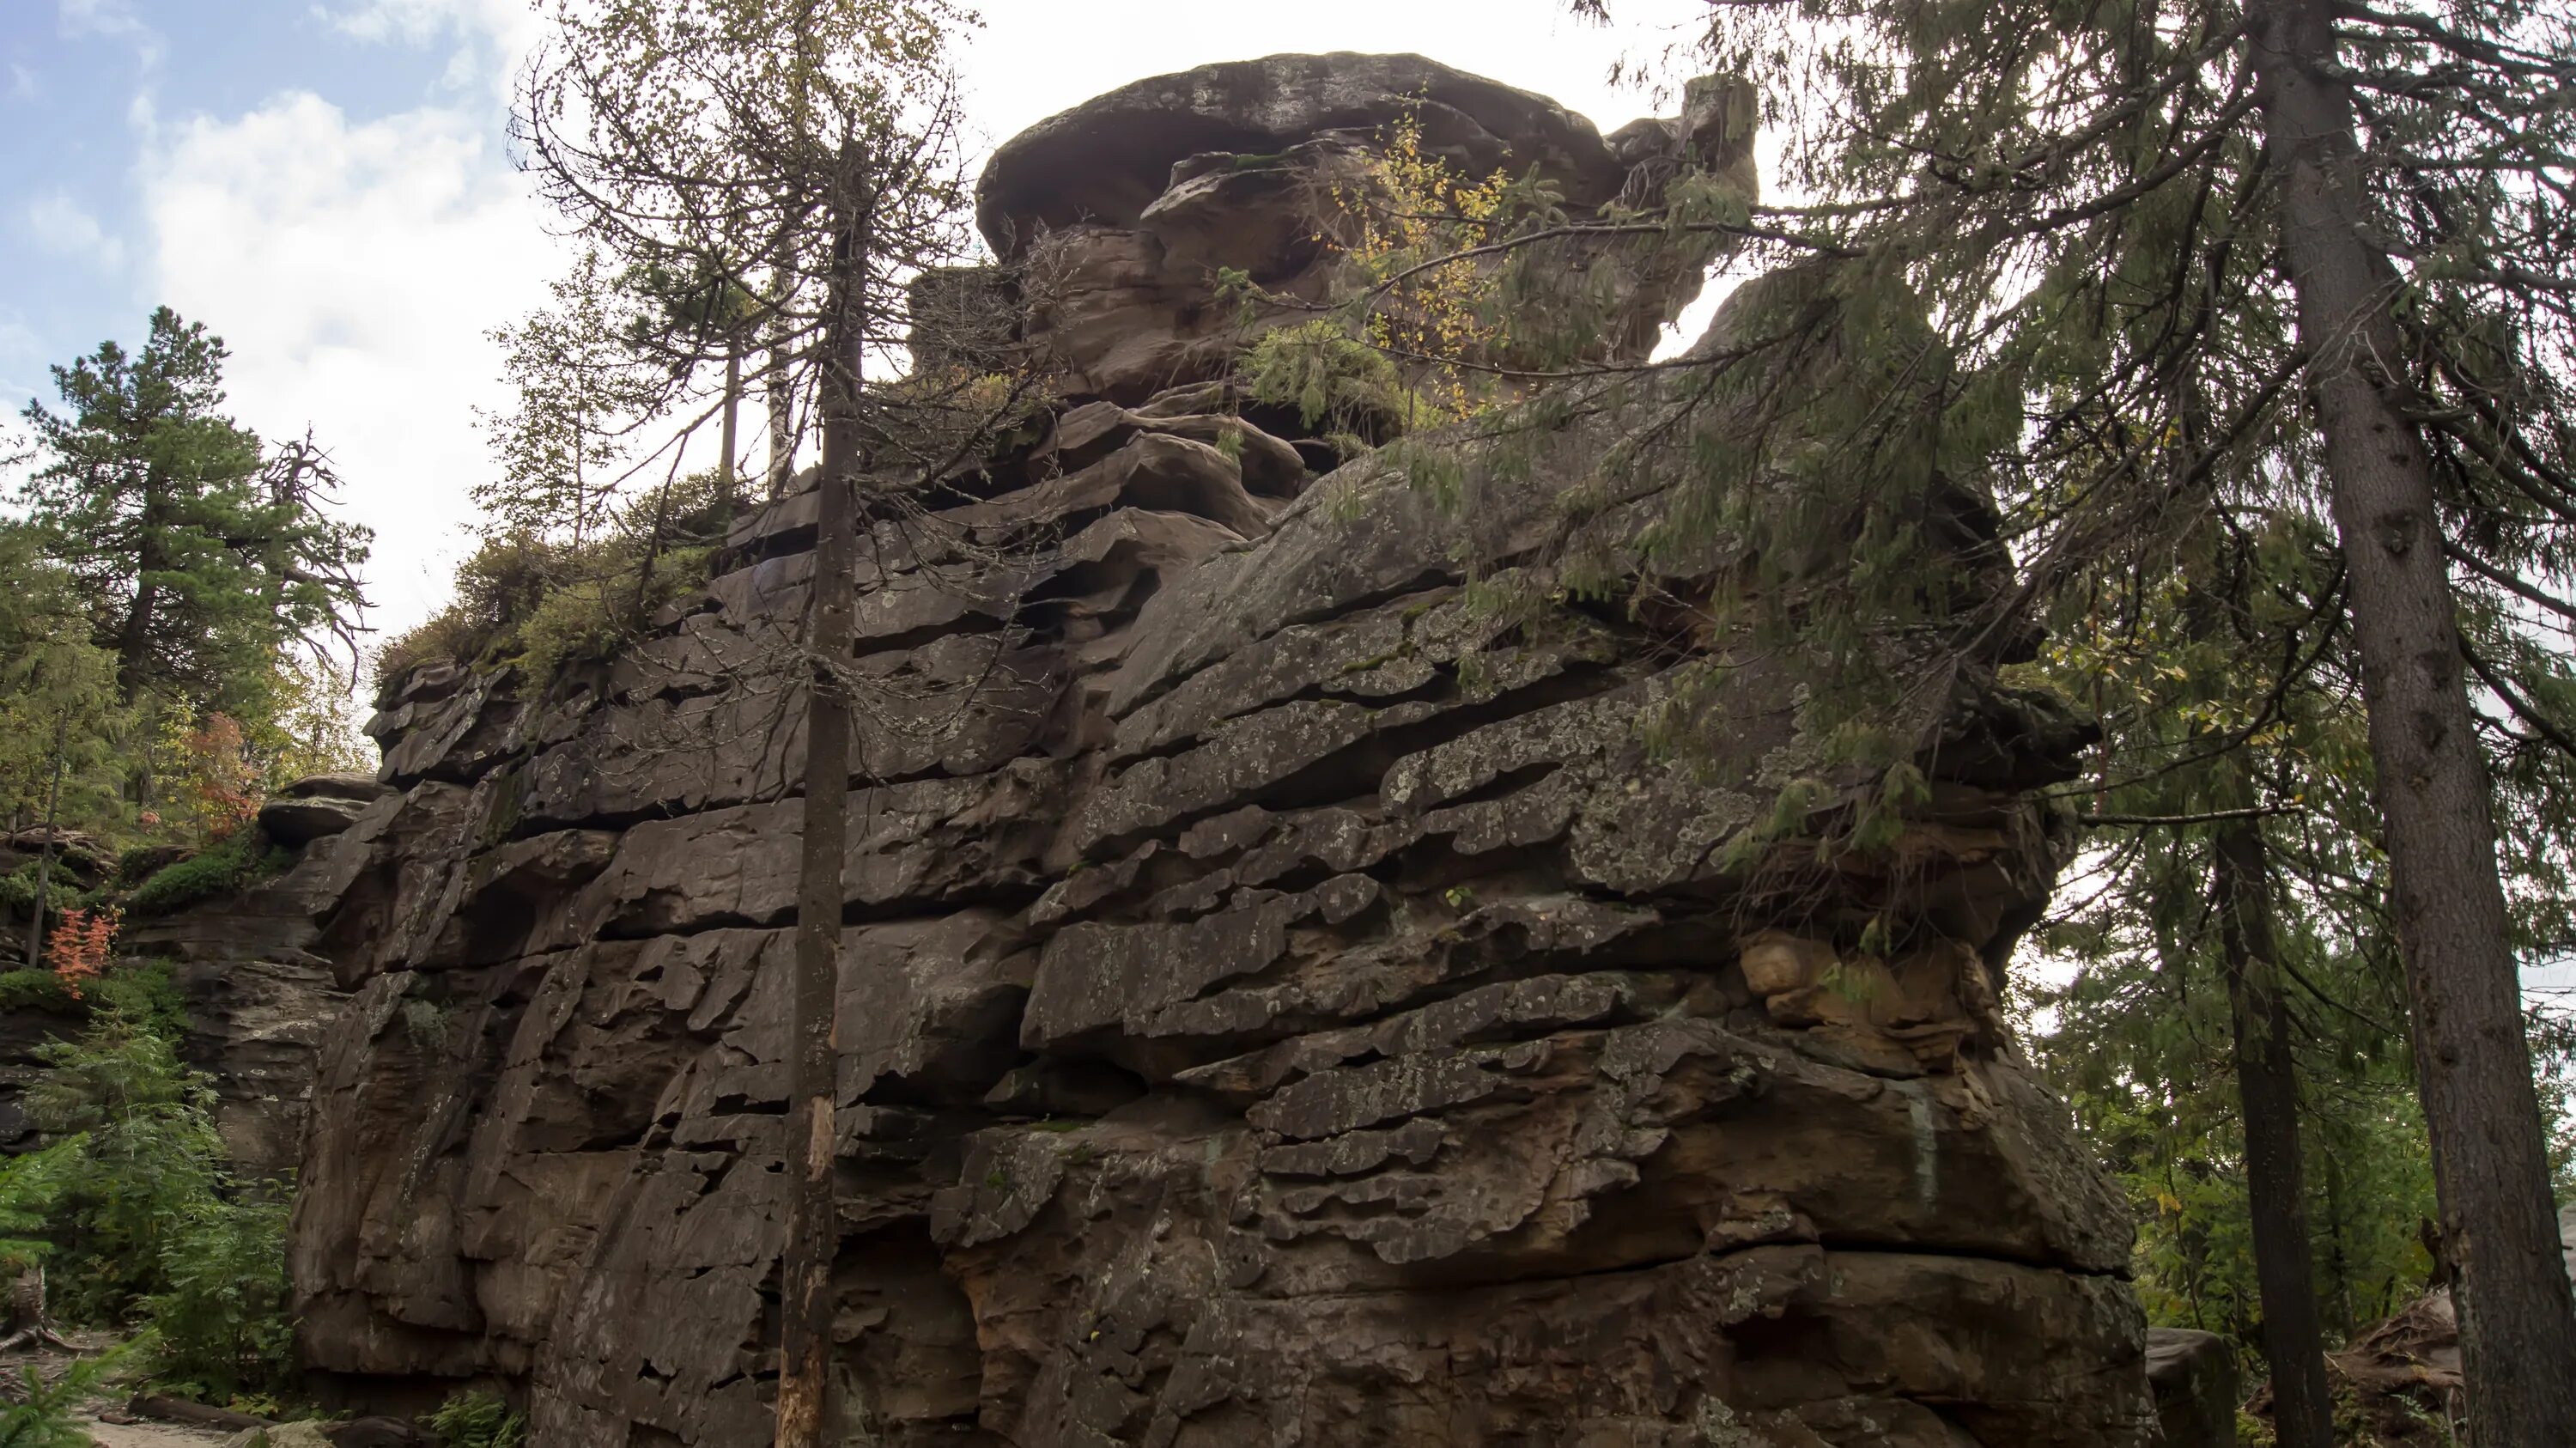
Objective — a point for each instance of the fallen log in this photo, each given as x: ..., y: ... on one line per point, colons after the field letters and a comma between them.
x: 180, y: 1410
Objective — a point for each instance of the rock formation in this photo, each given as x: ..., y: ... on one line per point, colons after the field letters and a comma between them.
x: 1121, y: 212
x: 1288, y: 999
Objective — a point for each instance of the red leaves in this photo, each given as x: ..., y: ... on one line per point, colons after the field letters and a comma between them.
x: 221, y: 787
x: 81, y: 944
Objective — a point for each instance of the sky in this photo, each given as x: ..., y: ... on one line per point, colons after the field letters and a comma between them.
x: 328, y: 185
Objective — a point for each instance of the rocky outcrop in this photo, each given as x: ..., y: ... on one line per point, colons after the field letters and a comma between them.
x: 256, y: 995
x: 1295, y: 990
x: 1119, y: 215
x: 260, y: 993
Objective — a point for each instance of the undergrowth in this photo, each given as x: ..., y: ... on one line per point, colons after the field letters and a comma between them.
x: 134, y: 1212
x: 219, y: 869
x: 479, y: 1420
x: 538, y: 603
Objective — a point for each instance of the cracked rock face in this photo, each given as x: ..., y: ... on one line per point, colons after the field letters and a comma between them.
x: 1284, y: 1002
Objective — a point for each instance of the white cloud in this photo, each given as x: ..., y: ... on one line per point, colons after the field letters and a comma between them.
x: 114, y: 19
x: 22, y: 372
x: 490, y: 35
x: 354, y: 269
x: 62, y: 226
x: 23, y: 85
x: 98, y: 17
x: 417, y: 22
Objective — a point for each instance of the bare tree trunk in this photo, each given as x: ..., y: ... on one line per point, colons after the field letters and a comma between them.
x: 45, y: 852
x: 2490, y: 1166
x: 728, y: 495
x: 813, y: 1235
x: 2267, y: 1086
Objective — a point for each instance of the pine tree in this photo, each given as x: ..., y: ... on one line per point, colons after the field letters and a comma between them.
x: 201, y: 556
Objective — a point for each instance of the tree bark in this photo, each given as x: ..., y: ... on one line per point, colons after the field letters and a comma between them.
x: 134, y: 635
x: 2490, y: 1166
x: 728, y: 495
x: 45, y: 852
x: 2267, y: 1088
x: 813, y: 1236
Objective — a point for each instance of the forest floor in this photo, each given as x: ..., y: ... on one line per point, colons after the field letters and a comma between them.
x: 50, y: 1364
x: 151, y: 1435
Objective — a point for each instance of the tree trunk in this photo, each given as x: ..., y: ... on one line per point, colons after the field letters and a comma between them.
x: 778, y: 387
x: 45, y: 851
x: 134, y: 635
x: 2490, y: 1166
x: 813, y: 1235
x: 2267, y: 1087
x: 728, y: 496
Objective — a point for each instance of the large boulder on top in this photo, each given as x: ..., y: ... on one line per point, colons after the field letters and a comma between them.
x: 1106, y: 161
x: 1117, y: 218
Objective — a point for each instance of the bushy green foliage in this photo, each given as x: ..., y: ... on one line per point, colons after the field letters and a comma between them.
x: 479, y: 1420
x: 221, y: 1323
x: 134, y: 1211
x: 589, y: 616
x: 149, y: 1155
x: 1338, y: 384
x: 36, y: 990
x: 524, y: 600
x: 145, y: 991
x: 30, y: 1184
x: 220, y: 868
x: 18, y: 890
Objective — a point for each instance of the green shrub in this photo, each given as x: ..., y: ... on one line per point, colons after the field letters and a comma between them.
x: 218, y: 869
x: 37, y: 990
x: 18, y: 890
x: 148, y: 1156
x: 1337, y: 383
x: 146, y: 992
x: 588, y: 617
x: 132, y: 1210
x: 221, y: 1326
x: 536, y: 602
x: 478, y: 1420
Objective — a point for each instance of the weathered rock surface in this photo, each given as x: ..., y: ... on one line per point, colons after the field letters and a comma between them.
x: 1285, y: 1000
x: 260, y: 995
x: 2194, y: 1377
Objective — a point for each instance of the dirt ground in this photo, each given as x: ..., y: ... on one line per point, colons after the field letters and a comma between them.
x: 151, y: 1435
x: 112, y: 1435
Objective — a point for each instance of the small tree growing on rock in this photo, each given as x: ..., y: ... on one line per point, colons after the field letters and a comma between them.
x: 800, y: 160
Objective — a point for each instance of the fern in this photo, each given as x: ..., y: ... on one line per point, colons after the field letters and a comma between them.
x: 477, y: 1420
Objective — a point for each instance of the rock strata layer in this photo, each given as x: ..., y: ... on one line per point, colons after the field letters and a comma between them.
x: 1287, y: 999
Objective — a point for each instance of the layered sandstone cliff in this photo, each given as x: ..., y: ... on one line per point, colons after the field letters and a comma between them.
x: 1287, y: 998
